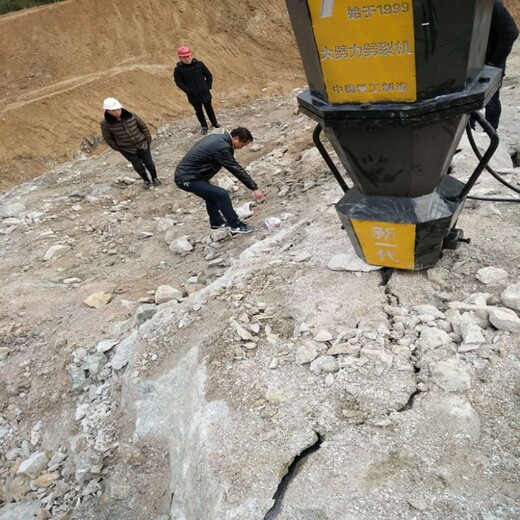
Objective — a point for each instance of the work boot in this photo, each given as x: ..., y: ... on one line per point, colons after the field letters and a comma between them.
x: 203, y: 130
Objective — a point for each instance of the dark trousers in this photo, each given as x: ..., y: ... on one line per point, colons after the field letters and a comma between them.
x: 218, y: 203
x: 494, y: 107
x: 200, y: 113
x: 140, y: 160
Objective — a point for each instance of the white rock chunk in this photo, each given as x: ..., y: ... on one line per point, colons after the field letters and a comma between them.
x: 478, y: 299
x: 11, y: 210
x: 378, y: 356
x: 492, y: 275
x: 323, y: 335
x: 430, y: 310
x: 164, y: 224
x: 243, y: 333
x: 306, y: 354
x: 166, y: 293
x: 34, y: 465
x: 55, y: 252
x: 451, y: 376
x: 106, y: 345
x: 350, y: 262
x: 504, y: 319
x: 432, y: 337
x: 124, y: 352
x: 511, y: 296
x: 472, y: 337
x: 324, y: 365
x: 181, y: 246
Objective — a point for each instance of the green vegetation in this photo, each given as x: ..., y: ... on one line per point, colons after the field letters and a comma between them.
x: 7, y: 6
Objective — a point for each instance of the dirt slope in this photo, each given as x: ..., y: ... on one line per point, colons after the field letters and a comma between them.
x: 60, y: 61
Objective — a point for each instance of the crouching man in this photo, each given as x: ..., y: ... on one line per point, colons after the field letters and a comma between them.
x: 202, y: 162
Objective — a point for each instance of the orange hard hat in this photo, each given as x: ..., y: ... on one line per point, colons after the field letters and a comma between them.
x: 183, y: 51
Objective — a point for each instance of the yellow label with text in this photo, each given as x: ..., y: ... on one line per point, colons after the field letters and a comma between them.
x: 386, y: 243
x: 366, y: 49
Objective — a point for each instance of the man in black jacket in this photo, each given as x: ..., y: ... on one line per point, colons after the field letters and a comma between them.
x: 204, y: 161
x: 128, y: 134
x: 195, y: 80
x: 502, y: 34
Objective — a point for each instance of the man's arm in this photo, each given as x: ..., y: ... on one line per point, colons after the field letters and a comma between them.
x: 226, y: 159
x: 144, y: 128
x: 107, y: 136
x: 177, y: 77
x: 207, y: 75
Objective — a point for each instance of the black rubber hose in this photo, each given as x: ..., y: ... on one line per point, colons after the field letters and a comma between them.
x: 327, y: 159
x: 476, y: 151
x: 493, y: 145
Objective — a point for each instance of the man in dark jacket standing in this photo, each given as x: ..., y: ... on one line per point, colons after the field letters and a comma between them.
x: 202, y: 162
x: 128, y: 134
x: 502, y: 34
x: 195, y: 80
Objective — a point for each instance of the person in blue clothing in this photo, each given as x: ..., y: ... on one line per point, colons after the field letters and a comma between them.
x: 204, y: 161
x: 195, y: 80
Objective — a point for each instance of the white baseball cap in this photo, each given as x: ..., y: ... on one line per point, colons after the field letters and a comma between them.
x: 111, y: 103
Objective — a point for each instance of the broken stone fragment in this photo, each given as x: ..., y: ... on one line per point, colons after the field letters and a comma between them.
x: 433, y: 338
x: 181, y: 246
x: 379, y: 356
x: 243, y: 333
x: 324, y: 365
x: 306, y: 354
x: 344, y: 348
x: 45, y: 480
x: 511, y: 297
x: 106, y: 345
x: 11, y: 210
x: 323, y: 335
x: 350, y: 262
x: 504, y: 319
x: 99, y: 299
x: 492, y: 275
x: 166, y: 293
x: 55, y: 252
x: 164, y: 224
x: 34, y: 465
x: 146, y: 311
x: 451, y: 376
x: 472, y: 334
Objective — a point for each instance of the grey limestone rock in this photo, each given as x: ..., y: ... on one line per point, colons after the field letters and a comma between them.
x: 492, y: 275
x: 451, y: 376
x: 511, y: 296
x: 34, y: 465
x: 306, y: 354
x: 504, y: 319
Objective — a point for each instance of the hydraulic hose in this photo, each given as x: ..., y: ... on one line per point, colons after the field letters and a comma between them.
x: 476, y: 151
x: 327, y: 159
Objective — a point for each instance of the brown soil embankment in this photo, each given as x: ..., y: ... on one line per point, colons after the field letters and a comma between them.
x: 514, y: 8
x: 59, y: 61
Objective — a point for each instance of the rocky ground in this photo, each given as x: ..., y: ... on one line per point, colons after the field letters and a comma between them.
x: 153, y: 370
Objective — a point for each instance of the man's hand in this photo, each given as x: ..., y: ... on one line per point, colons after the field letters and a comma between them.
x: 259, y: 195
